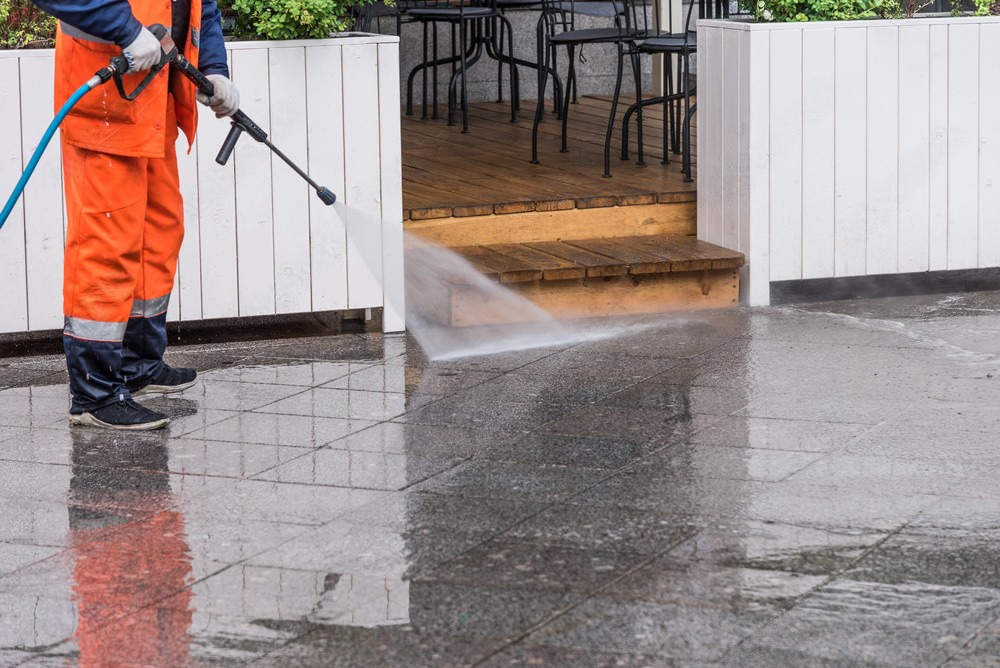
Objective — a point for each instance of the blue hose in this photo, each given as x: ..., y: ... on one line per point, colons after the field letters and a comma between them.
x: 37, y: 155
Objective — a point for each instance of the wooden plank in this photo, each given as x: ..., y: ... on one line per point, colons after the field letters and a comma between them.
x: 418, y: 256
x: 963, y: 146
x: 786, y: 155
x: 13, y: 262
x: 393, y: 278
x: 42, y: 200
x: 851, y: 147
x: 596, y: 265
x: 818, y: 104
x: 536, y: 225
x: 914, y: 147
x: 291, y: 200
x: 361, y: 194
x: 696, y: 250
x: 187, y: 294
x: 682, y: 254
x: 756, y: 77
x: 729, y: 98
x: 217, y: 212
x: 882, y: 233
x: 989, y: 145
x: 937, y: 195
x: 615, y: 296
x: 327, y: 224
x: 255, y: 188
x: 553, y: 267
x: 638, y: 260
x: 507, y: 269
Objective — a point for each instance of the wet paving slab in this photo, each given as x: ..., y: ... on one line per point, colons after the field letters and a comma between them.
x: 794, y: 486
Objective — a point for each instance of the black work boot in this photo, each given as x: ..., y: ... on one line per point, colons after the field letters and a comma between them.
x: 168, y: 380
x: 124, y: 414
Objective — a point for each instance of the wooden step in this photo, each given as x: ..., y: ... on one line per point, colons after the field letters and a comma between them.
x: 578, y: 278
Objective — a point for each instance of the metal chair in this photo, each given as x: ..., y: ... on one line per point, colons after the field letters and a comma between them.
x: 678, y: 110
x: 472, y: 19
x: 560, y: 30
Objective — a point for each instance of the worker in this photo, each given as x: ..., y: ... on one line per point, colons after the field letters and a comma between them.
x: 123, y: 201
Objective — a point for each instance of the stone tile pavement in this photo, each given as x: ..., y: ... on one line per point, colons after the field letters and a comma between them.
x: 811, y: 486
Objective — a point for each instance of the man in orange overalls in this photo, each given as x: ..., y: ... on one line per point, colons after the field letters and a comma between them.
x: 123, y: 197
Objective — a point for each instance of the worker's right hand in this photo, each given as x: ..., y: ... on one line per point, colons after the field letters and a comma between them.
x: 144, y: 52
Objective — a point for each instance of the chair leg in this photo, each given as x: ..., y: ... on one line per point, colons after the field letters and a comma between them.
x: 515, y: 79
x: 463, y: 29
x: 614, y: 111
x: 495, y: 21
x: 434, y: 77
x: 688, y: 111
x: 686, y: 164
x: 668, y: 107
x: 412, y: 76
x: 452, y: 80
x: 570, y: 85
x: 638, y: 114
x: 557, y: 84
x: 543, y: 76
x: 423, y: 103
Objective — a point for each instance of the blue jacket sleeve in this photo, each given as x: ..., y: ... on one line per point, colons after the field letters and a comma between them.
x: 212, y: 51
x: 111, y: 20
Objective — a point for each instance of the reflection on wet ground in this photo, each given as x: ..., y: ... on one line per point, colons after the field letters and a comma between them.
x: 776, y: 487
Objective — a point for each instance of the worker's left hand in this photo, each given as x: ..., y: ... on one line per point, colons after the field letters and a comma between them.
x: 226, y: 100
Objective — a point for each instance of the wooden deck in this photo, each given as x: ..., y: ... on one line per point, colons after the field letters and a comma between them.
x: 559, y: 233
x: 488, y: 171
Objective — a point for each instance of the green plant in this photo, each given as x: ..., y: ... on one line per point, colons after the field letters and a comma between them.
x: 291, y: 19
x: 816, y: 10
x: 24, y: 26
x: 987, y: 7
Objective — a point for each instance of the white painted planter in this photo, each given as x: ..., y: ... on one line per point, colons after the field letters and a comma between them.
x: 258, y: 240
x: 850, y: 148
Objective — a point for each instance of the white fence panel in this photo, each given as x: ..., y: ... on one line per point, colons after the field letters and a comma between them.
x: 390, y: 134
x: 786, y: 155
x: 258, y: 241
x: 916, y: 150
x: 818, y: 46
x: 13, y: 267
x: 937, y: 196
x: 989, y: 146
x: 851, y: 168
x: 963, y: 146
x: 730, y: 85
x: 882, y: 120
x: 43, y: 200
x: 324, y: 81
x: 711, y: 214
x: 289, y: 120
x: 758, y: 250
x: 217, y: 217
x: 185, y: 302
x: 362, y: 195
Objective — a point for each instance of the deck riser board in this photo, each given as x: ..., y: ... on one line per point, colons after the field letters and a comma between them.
x: 603, y: 297
x: 539, y: 226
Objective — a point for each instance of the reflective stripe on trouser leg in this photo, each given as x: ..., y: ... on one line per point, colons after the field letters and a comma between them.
x: 93, y: 356
x: 145, y: 341
x: 163, y: 232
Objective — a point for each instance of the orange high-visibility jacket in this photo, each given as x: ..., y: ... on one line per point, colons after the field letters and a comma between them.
x: 102, y: 120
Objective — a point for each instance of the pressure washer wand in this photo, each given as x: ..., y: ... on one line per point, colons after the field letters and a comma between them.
x: 242, y: 123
